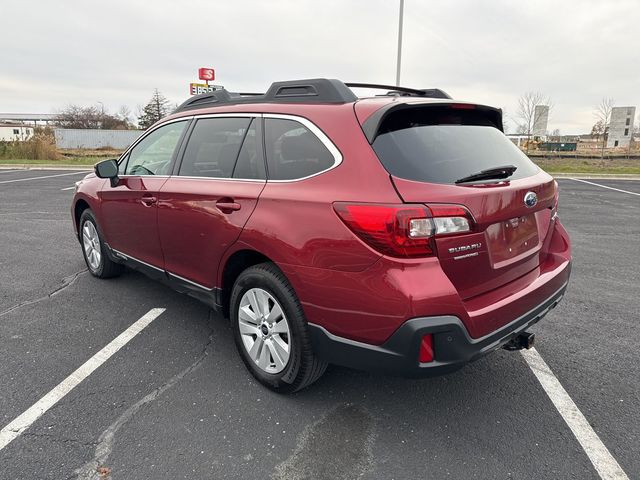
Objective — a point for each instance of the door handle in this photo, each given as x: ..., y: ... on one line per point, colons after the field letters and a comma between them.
x: 227, y: 205
x: 148, y: 200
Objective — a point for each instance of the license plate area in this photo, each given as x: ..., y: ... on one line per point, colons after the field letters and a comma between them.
x: 509, y: 240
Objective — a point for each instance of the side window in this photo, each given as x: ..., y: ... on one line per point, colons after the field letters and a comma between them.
x: 250, y: 164
x: 293, y: 151
x: 152, y: 156
x: 213, y: 147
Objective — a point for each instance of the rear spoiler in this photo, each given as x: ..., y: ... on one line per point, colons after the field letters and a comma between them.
x: 371, y: 126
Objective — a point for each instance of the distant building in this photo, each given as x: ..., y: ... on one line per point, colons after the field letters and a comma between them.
x: 621, y: 126
x: 10, y: 132
x: 540, y: 120
x: 30, y: 118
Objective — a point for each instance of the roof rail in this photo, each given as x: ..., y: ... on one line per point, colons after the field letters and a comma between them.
x: 315, y: 90
x: 403, y: 91
x: 321, y: 90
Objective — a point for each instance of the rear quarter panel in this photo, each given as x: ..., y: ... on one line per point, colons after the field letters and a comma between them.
x: 294, y: 222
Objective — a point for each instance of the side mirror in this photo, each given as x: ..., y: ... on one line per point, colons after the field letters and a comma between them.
x: 107, y: 169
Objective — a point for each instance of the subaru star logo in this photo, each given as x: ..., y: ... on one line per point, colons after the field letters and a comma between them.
x: 530, y: 199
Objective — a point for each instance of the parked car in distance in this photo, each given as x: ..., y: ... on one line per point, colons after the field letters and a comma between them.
x: 400, y: 233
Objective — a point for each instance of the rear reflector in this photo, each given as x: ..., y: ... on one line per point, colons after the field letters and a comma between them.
x: 426, y: 349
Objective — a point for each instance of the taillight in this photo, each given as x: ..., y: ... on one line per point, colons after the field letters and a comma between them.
x: 450, y: 219
x: 396, y: 230
x: 405, y: 230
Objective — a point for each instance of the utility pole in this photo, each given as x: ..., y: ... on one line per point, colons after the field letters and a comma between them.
x: 399, y: 61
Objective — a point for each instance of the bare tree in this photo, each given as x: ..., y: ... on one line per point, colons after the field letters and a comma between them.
x: 597, y: 130
x: 124, y: 114
x: 76, y: 116
x: 602, y: 113
x: 527, y: 109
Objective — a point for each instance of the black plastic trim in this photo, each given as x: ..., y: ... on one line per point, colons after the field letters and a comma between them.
x: 313, y: 90
x: 403, y: 91
x: 209, y: 296
x: 453, y: 346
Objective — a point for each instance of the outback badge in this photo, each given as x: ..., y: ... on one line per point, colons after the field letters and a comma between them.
x: 530, y: 199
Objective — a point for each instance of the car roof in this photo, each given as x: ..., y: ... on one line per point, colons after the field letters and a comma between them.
x: 301, y: 97
x: 308, y: 91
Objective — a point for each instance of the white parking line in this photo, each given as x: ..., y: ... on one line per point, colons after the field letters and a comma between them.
x: 606, y: 466
x: 26, y: 419
x: 9, y: 171
x: 605, y: 186
x: 68, y: 188
x: 46, y: 176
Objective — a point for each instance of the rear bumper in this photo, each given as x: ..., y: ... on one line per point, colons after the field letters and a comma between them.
x: 453, y: 347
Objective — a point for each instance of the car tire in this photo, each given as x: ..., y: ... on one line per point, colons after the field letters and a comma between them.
x: 264, y: 288
x: 94, y: 250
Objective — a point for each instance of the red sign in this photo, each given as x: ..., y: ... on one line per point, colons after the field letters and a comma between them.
x: 206, y: 74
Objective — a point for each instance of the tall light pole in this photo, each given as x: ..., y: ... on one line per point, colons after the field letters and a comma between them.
x: 399, y: 61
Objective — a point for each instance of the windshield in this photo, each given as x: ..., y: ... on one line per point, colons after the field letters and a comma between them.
x: 427, y: 151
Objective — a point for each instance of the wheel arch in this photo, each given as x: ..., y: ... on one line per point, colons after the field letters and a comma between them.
x: 80, y: 206
x: 233, y: 266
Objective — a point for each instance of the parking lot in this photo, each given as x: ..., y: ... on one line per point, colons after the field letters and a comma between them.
x: 176, y: 401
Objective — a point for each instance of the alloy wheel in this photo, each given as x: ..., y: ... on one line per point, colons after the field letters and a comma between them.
x: 91, y: 244
x: 264, y: 330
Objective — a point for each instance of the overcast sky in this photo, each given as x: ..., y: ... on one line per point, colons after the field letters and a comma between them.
x: 490, y: 51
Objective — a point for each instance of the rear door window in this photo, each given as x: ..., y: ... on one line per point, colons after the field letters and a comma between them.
x: 442, y: 145
x: 293, y: 151
x: 214, y: 146
x: 250, y: 163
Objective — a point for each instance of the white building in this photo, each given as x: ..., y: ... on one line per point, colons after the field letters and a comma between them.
x: 621, y: 126
x: 540, y: 120
x: 10, y: 132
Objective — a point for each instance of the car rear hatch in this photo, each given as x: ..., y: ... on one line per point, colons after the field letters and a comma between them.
x: 431, y: 150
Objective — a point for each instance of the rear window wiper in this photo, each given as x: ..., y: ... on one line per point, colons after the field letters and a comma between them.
x: 491, y: 173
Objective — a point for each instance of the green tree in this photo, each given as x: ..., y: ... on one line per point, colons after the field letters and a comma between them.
x: 157, y: 108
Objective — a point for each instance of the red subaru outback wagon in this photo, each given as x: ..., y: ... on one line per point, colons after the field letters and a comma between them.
x: 402, y: 233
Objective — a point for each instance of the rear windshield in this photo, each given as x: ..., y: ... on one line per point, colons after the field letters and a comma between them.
x: 442, y: 145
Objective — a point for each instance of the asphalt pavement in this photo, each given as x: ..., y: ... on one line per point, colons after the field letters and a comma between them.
x: 176, y: 401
